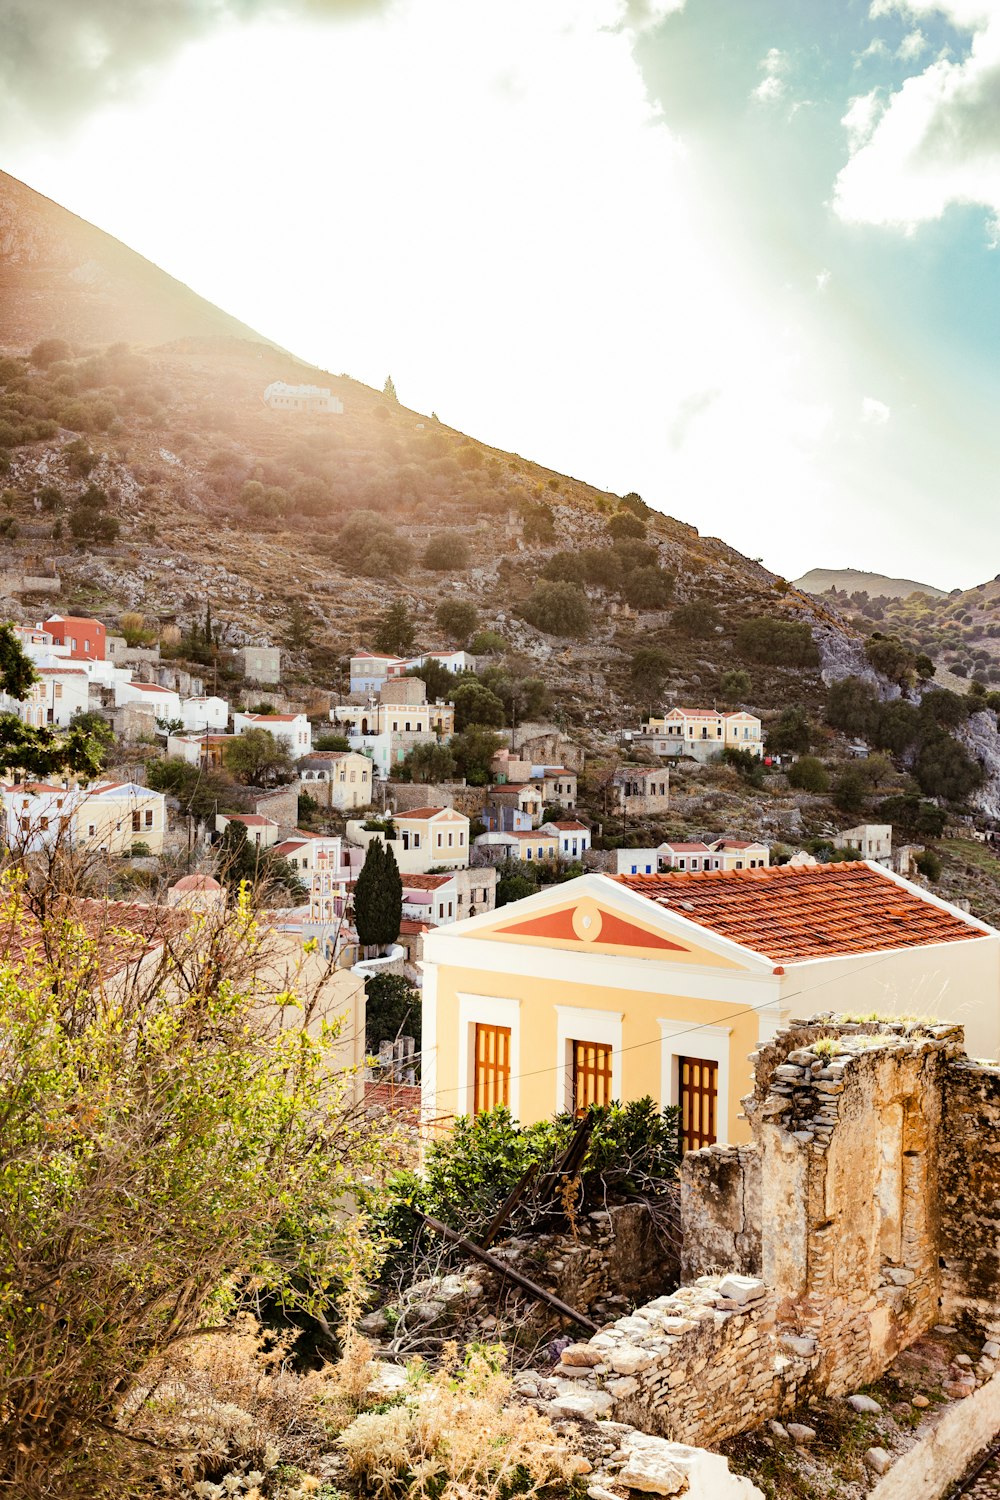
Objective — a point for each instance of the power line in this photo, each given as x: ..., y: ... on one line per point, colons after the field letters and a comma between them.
x: 685, y: 1031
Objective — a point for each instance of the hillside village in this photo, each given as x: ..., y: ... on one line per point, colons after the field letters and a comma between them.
x: 609, y: 922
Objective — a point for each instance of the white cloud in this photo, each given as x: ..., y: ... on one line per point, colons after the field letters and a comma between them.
x: 937, y: 142
x: 912, y: 45
x: 863, y: 113
x: 874, y: 412
x: 876, y: 48
x: 774, y: 85
x: 823, y: 279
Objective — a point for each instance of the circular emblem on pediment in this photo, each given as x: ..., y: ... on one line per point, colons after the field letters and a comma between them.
x: 587, y: 920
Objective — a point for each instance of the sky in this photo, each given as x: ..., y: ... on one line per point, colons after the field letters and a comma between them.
x: 740, y: 256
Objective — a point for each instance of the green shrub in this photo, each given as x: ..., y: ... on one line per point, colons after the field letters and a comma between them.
x: 649, y: 588
x: 559, y: 609
x: 784, y: 643
x: 457, y: 618
x: 446, y: 552
x: 928, y: 862
x: 625, y: 523
x: 809, y: 774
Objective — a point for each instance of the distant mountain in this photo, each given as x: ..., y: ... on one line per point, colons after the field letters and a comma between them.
x: 853, y: 581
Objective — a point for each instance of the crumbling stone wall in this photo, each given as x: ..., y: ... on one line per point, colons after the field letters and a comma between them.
x: 842, y: 1183
x: 970, y: 1195
x: 720, y: 1211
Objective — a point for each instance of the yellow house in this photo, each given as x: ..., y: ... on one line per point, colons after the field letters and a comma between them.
x: 427, y: 838
x: 613, y: 987
x: 535, y: 846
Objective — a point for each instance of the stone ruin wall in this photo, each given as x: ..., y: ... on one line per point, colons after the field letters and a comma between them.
x: 970, y: 1195
x: 854, y: 1192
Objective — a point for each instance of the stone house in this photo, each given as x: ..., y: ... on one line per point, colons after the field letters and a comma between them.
x: 280, y: 396
x: 641, y: 791
x: 525, y: 797
x: 872, y: 840
x: 439, y: 899
x: 558, y: 785
x: 337, y: 778
x: 261, y: 663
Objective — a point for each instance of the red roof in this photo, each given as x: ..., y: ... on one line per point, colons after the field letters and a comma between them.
x: 686, y: 848
x: 425, y: 882
x: 252, y: 820
x: 422, y: 812
x: 791, y: 913
x: 60, y: 671
x: 572, y: 827
x: 272, y: 718
x: 122, y: 932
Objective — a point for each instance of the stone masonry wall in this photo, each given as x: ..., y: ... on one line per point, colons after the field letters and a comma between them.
x: 848, y: 1139
x: 970, y: 1195
x: 720, y: 1211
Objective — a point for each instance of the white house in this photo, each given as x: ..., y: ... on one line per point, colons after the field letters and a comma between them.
x: 371, y: 669
x: 426, y: 838
x: 67, y: 692
x: 204, y: 712
x: 637, y: 861
x: 873, y: 839
x: 280, y: 396
x: 110, y: 816
x: 574, y: 837
x: 305, y: 851
x: 293, y: 730
x: 164, y: 703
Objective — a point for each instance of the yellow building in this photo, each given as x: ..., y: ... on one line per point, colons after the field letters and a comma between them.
x: 614, y: 987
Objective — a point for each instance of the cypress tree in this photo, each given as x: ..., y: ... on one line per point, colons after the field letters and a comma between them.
x: 391, y: 905
x: 368, y: 896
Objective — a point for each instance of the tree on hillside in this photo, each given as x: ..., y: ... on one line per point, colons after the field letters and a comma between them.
x: 429, y: 763
x: 39, y: 752
x: 697, y: 619
x: 649, y: 588
x: 475, y: 704
x: 559, y: 609
x: 389, y: 389
x: 850, y: 791
x: 446, y: 552
x: 378, y: 898
x: 809, y: 774
x: 474, y: 750
x: 791, y: 732
x: 735, y: 686
x: 458, y: 619
x: 781, y: 643
x: 256, y: 758
x: 626, y: 523
x: 395, y: 630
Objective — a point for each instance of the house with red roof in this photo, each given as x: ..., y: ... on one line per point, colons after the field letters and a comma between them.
x: 615, y: 987
x: 261, y: 832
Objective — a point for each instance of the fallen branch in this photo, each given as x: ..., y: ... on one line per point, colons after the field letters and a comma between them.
x: 531, y: 1287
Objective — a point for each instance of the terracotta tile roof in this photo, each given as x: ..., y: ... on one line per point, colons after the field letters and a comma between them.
x: 122, y: 933
x: 572, y: 827
x: 151, y: 687
x: 252, y: 820
x: 791, y: 913
x: 60, y: 672
x: 271, y: 718
x: 412, y: 926
x: 424, y: 882
x: 531, y: 833
x: 695, y: 848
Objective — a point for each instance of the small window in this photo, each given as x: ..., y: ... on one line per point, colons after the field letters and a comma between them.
x: 149, y: 817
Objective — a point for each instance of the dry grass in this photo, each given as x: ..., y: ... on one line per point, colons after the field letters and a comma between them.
x: 458, y: 1438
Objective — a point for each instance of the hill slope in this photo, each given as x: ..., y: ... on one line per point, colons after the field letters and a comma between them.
x: 219, y: 498
x: 59, y: 272
x: 855, y: 580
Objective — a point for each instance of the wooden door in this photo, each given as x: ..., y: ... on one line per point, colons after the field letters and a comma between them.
x: 698, y: 1099
x: 591, y: 1075
x: 492, y: 1080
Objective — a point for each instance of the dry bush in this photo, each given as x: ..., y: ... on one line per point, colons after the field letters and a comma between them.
x: 457, y: 1438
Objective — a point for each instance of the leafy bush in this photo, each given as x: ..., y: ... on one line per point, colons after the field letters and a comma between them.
x: 649, y: 588
x: 697, y: 619
x: 428, y: 763
x: 888, y: 656
x: 809, y: 774
x: 392, y: 1009
x: 783, y: 643
x: 457, y: 618
x: 928, y: 862
x: 625, y: 523
x: 475, y: 704
x: 446, y: 552
x: 565, y: 567
x: 48, y: 351
x: 915, y: 818
x: 633, y: 1152
x: 487, y: 643
x: 735, y: 686
x: 395, y: 630
x: 944, y: 768
x: 850, y: 791
x: 791, y: 732
x: 474, y: 749
x: 559, y: 609
x: 165, y: 1155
